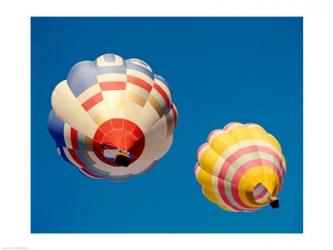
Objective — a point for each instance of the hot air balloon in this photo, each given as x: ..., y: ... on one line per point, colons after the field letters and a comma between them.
x: 241, y: 168
x: 112, y: 118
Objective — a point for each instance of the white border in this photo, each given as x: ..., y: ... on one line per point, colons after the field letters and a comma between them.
x: 15, y: 122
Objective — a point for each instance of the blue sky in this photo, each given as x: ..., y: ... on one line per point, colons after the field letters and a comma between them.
x: 219, y: 70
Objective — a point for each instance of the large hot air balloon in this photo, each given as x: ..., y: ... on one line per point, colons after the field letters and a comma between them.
x: 112, y: 118
x: 241, y: 167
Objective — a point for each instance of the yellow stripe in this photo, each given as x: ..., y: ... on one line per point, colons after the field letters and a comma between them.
x: 240, y: 133
x: 206, y: 182
x: 208, y: 158
x: 261, y: 134
x: 212, y: 197
x: 252, y: 178
x: 221, y: 142
x: 237, y: 133
x: 136, y: 98
x: 274, y: 142
x: 101, y: 118
x: 156, y: 105
x: 205, y: 179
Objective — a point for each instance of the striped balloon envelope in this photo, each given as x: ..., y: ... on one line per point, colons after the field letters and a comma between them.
x: 112, y: 118
x: 241, y: 168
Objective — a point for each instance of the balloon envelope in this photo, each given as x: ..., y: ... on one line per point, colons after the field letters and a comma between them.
x: 112, y: 118
x: 241, y: 167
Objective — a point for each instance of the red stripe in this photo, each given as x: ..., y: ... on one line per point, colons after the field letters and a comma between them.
x: 78, y: 161
x: 76, y: 158
x: 139, y: 82
x: 92, y: 101
x: 74, y: 138
x: 175, y: 114
x: 240, y: 172
x: 163, y: 94
x: 235, y: 182
x: 236, y: 155
x: 112, y: 85
x: 86, y: 172
x: 246, y: 150
x: 223, y: 195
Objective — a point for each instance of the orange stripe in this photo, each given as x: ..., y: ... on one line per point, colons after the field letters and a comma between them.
x: 92, y: 101
x: 112, y: 85
x: 139, y: 82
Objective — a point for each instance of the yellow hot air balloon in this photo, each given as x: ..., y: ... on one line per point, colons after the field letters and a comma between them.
x: 241, y: 167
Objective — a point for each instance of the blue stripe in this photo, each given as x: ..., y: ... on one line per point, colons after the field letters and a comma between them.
x: 161, y: 79
x: 139, y: 61
x: 131, y: 65
x: 81, y: 77
x: 81, y: 157
x: 111, y: 69
x: 63, y: 155
x: 56, y: 128
x: 81, y: 141
x: 166, y: 109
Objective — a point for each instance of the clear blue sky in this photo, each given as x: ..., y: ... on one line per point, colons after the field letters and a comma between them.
x: 219, y: 70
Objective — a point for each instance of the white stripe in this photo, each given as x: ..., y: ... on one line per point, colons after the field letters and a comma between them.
x: 137, y: 90
x: 140, y: 62
x: 111, y: 77
x: 102, y: 63
x: 88, y: 93
x: 67, y: 136
x: 244, y: 159
x: 65, y: 105
x: 226, y: 188
x: 99, y: 109
x: 159, y: 98
x: 233, y: 167
x: 148, y: 117
x: 132, y: 111
x: 113, y: 171
x: 164, y: 87
x: 217, y: 193
x: 110, y: 101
